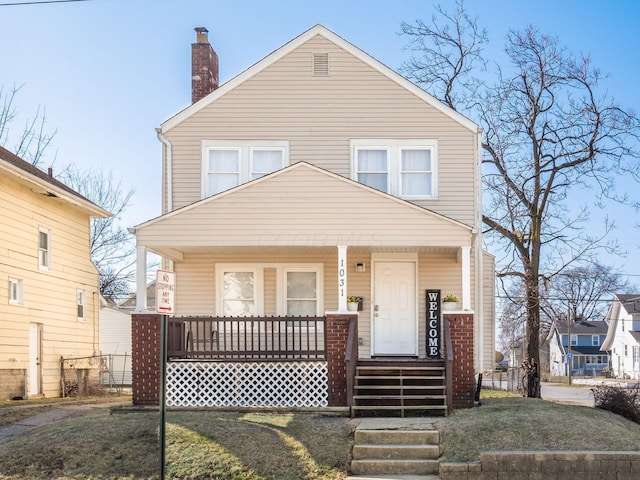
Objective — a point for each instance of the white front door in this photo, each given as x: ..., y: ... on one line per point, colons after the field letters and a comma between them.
x: 394, y: 309
x: 35, y: 360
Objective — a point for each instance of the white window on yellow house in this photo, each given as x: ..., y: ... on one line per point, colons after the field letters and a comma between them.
x: 404, y: 168
x: 15, y: 291
x: 227, y: 164
x: 80, y: 304
x: 44, y: 249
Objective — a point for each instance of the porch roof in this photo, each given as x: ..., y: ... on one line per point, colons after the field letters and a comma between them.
x: 301, y: 207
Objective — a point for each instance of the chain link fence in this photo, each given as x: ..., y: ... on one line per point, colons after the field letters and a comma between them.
x: 95, y: 375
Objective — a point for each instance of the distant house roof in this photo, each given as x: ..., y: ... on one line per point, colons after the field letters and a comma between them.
x: 47, y: 184
x: 586, y: 350
x: 131, y: 302
x: 584, y: 327
x: 630, y: 302
x: 636, y: 336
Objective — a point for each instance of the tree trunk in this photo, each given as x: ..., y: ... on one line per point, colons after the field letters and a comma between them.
x: 531, y: 360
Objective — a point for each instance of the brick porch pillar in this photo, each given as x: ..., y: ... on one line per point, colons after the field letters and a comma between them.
x: 461, y: 326
x: 145, y: 358
x: 337, y: 334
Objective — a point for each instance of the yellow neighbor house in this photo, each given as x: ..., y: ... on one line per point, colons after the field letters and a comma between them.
x: 49, y: 298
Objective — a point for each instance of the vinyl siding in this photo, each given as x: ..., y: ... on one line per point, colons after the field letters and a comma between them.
x: 302, y: 206
x: 49, y: 296
x: 488, y: 311
x: 319, y: 116
x: 196, y: 294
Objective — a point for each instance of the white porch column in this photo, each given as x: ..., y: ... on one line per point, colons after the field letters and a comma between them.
x: 466, y: 277
x: 141, y: 279
x: 342, y: 278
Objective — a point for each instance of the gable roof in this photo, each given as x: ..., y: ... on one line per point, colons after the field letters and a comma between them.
x: 631, y: 305
x: 40, y: 182
x: 302, y: 205
x: 630, y: 302
x: 584, y: 327
x: 295, y: 43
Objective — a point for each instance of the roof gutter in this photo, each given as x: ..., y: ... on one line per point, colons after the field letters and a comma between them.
x: 168, y: 164
x: 53, y: 191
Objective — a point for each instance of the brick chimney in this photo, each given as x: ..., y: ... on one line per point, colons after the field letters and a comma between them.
x: 204, y: 66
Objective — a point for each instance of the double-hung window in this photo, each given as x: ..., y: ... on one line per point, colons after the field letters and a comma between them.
x: 240, y: 293
x: 574, y: 340
x: 80, y: 304
x: 301, y: 291
x: 15, y: 291
x: 227, y: 164
x: 44, y: 249
x: 595, y: 340
x: 404, y: 168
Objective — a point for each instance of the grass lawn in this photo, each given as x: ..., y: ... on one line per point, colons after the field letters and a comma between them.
x: 508, y: 422
x: 252, y: 446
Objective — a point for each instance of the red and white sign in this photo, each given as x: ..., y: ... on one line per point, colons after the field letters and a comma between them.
x: 165, y: 292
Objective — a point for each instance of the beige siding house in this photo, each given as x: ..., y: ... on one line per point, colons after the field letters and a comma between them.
x: 318, y: 174
x: 48, y: 284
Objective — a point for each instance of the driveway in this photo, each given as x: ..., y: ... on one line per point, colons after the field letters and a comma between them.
x: 553, y: 392
x: 575, y: 395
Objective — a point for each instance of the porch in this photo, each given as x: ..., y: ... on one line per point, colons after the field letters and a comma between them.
x: 298, y: 362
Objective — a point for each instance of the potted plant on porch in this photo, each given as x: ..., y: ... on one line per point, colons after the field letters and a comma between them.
x: 353, y: 303
x: 449, y: 303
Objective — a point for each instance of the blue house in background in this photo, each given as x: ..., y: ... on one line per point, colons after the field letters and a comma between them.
x: 578, y: 344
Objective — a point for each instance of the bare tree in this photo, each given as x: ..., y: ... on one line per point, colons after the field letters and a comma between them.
x: 112, y: 249
x: 34, y: 139
x: 578, y: 292
x: 549, y: 131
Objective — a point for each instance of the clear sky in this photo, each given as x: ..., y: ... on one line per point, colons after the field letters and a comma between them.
x: 108, y: 72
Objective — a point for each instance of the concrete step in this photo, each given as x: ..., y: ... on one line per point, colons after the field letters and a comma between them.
x: 397, y: 437
x: 396, y: 452
x: 394, y: 477
x: 395, y: 467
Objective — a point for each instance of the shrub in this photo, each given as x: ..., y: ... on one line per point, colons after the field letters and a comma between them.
x: 621, y: 401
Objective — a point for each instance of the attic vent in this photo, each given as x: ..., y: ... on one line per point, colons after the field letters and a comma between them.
x: 320, y: 64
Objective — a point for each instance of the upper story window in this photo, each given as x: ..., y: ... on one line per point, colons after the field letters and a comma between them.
x: 80, y: 304
x: 44, y: 249
x: 15, y: 291
x: 227, y: 164
x: 595, y: 340
x: 404, y: 168
x: 574, y: 340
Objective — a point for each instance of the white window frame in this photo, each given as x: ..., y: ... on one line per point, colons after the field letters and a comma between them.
x: 595, y: 340
x: 258, y: 286
x: 81, y: 305
x: 15, y: 291
x: 44, y: 263
x: 573, y: 340
x: 281, y: 287
x: 394, y: 148
x: 245, y: 149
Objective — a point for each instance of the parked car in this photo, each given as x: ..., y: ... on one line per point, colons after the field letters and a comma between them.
x: 502, y: 366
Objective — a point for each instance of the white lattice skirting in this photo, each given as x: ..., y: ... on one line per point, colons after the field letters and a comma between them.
x: 259, y: 384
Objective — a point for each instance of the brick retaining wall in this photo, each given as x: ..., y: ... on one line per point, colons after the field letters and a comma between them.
x: 528, y: 465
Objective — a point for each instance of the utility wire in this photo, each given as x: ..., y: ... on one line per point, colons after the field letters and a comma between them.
x: 16, y: 4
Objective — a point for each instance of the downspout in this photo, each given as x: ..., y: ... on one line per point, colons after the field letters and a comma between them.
x: 168, y: 174
x: 479, y: 310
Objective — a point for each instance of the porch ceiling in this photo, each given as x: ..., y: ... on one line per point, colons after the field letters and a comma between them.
x: 296, y: 249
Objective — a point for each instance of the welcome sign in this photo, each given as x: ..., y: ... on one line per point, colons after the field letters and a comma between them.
x: 434, y: 340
